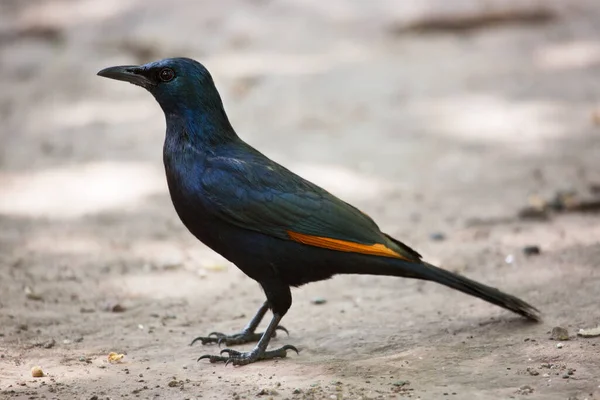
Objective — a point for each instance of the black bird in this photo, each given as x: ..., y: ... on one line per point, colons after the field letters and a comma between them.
x: 279, y: 229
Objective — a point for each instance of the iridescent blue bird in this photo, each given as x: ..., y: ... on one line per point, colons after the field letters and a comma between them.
x: 278, y: 228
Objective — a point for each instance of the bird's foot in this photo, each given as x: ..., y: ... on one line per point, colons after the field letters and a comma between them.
x: 237, y: 338
x: 243, y: 358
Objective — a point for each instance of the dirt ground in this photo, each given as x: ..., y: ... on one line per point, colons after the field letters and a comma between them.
x: 431, y: 128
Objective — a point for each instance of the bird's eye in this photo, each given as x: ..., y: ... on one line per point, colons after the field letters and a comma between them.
x: 166, y: 74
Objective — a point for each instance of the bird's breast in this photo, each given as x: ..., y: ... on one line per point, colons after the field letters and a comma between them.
x: 184, y: 171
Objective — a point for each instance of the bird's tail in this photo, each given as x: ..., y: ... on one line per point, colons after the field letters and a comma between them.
x: 492, y: 295
x: 484, y: 292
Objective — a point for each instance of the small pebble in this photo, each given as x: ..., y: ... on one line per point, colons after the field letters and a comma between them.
x: 319, y: 300
x: 559, y: 345
x: 509, y: 259
x: 559, y: 333
x: 589, y: 333
x: 115, y: 357
x: 531, y: 250
x: 31, y: 295
x: 37, y: 372
x: 525, y: 389
x: 437, y: 236
x: 113, y: 307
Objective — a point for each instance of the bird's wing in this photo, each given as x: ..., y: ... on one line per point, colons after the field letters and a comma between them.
x: 258, y: 194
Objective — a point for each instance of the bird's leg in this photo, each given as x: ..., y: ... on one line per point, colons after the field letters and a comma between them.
x: 258, y: 353
x: 247, y: 335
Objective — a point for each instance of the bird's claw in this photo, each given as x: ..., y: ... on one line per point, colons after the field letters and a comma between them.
x: 213, y: 337
x: 212, y: 359
x: 230, y: 352
x: 238, y: 338
x: 288, y: 347
x: 280, y: 328
x: 242, y: 358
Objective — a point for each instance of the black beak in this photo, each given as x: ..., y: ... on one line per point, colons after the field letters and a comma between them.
x: 128, y: 73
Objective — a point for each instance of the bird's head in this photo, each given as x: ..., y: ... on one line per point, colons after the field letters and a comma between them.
x: 178, y: 84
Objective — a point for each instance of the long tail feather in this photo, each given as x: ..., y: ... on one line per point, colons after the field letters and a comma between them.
x: 426, y: 271
x: 484, y: 292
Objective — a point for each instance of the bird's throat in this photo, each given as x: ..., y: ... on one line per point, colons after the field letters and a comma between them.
x: 203, y: 128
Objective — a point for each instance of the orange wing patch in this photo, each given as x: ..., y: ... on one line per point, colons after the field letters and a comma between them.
x: 342, y: 245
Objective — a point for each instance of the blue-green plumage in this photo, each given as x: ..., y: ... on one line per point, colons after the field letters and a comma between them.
x: 277, y: 227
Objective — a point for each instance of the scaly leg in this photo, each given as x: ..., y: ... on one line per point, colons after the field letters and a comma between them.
x: 258, y: 353
x: 247, y: 335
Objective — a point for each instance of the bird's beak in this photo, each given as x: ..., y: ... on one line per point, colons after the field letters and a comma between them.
x: 128, y: 73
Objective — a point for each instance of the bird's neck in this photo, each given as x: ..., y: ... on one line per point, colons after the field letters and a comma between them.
x: 201, y: 129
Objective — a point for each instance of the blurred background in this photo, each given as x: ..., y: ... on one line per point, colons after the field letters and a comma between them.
x: 468, y: 129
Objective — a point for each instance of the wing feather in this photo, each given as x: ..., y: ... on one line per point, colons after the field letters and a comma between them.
x: 258, y: 194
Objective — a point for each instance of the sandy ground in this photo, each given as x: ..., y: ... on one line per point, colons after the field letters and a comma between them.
x: 428, y: 132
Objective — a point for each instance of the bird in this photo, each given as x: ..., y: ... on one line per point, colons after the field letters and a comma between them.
x: 281, y: 230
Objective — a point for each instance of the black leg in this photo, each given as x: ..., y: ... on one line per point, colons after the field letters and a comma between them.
x: 258, y: 353
x: 279, y: 298
x: 247, y: 335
